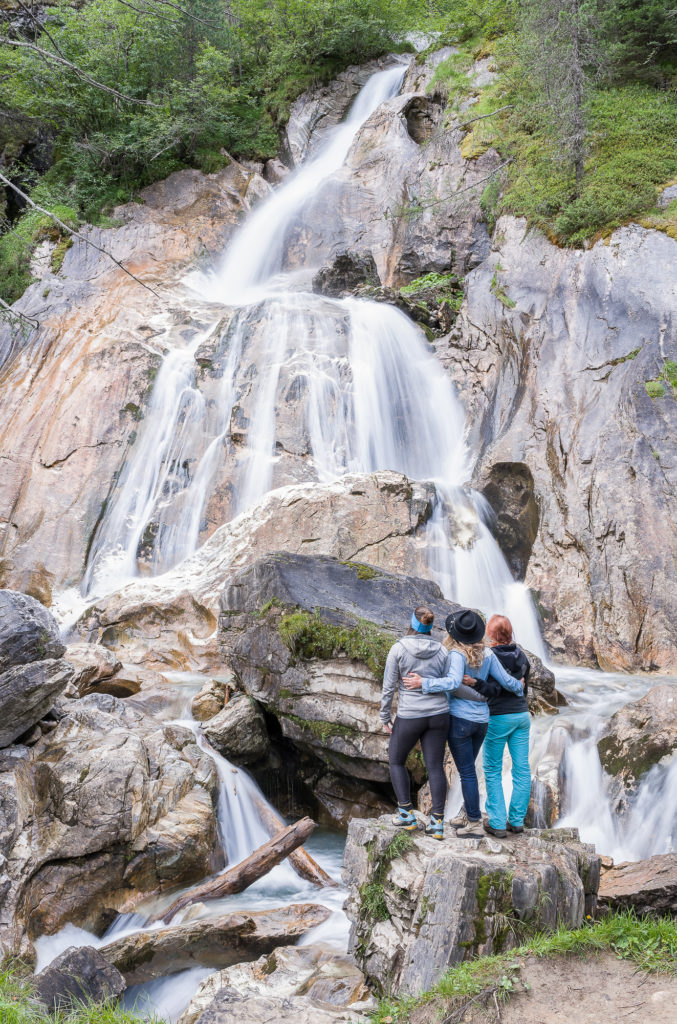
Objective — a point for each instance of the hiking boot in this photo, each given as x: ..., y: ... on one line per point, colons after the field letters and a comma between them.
x: 405, y: 819
x: 515, y: 828
x: 435, y: 827
x: 472, y: 829
x: 500, y: 833
x: 460, y: 820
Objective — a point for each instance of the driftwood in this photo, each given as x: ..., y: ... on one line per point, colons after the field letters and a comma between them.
x: 301, y: 861
x: 259, y: 863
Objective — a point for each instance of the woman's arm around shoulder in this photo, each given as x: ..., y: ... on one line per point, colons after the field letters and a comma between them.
x: 452, y: 678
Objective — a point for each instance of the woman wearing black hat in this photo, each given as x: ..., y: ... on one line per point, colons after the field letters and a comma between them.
x: 469, y: 720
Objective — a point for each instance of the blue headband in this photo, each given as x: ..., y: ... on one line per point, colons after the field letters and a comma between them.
x: 418, y: 626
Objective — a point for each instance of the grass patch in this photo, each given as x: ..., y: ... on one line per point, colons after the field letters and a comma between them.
x: 373, y: 906
x: 17, y: 247
x: 651, y: 944
x: 18, y: 1006
x: 665, y: 382
x: 308, y: 636
x: 364, y: 572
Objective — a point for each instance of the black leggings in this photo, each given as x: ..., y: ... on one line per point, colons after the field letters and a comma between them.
x: 432, y: 732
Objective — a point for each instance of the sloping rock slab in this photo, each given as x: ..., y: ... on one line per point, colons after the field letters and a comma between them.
x: 640, y: 735
x: 78, y: 974
x: 418, y: 907
x: 214, y: 942
x: 278, y: 615
x: 239, y: 731
x: 311, y: 983
x: 646, y: 886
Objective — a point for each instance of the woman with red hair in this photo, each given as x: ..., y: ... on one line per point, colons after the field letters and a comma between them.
x: 509, y: 723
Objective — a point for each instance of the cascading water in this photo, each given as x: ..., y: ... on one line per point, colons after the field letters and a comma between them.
x: 370, y: 396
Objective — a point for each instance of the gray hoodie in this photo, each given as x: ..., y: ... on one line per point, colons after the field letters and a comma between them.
x: 419, y: 654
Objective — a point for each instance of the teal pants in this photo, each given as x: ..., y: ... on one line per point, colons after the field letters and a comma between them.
x: 513, y: 730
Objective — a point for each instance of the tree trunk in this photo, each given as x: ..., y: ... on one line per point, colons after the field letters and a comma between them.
x: 259, y: 863
x: 301, y: 861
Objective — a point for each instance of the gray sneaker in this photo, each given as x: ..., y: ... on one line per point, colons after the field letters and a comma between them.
x: 460, y: 820
x: 471, y: 829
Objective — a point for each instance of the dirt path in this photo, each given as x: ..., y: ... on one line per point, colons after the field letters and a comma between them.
x: 572, y: 990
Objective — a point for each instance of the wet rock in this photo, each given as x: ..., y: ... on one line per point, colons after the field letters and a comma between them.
x: 645, y: 886
x: 509, y: 489
x: 640, y: 735
x: 92, y: 663
x: 418, y: 907
x: 210, y: 700
x: 109, y: 807
x: 28, y: 632
x: 79, y: 974
x: 171, y: 622
x: 275, y: 171
x: 600, y: 450
x: 341, y: 799
x: 346, y: 274
x: 307, y: 637
x: 214, y: 942
x: 70, y: 411
x: 239, y: 731
x: 307, y: 983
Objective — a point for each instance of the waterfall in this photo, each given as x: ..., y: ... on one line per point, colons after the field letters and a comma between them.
x: 365, y: 389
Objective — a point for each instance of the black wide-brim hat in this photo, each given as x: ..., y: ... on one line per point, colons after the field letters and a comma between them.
x: 466, y: 626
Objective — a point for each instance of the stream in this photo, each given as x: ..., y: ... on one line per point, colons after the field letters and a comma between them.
x: 372, y: 396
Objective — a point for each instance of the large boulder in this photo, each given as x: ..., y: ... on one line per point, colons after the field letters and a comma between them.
x: 108, y: 807
x: 418, y: 907
x: 645, y: 886
x: 307, y: 637
x: 640, y: 735
x: 300, y: 984
x: 171, y: 621
x: 212, y: 942
x: 79, y: 974
x: 239, y: 731
x: 32, y: 671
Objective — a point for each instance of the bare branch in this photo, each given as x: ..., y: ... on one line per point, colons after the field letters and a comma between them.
x: 76, y: 70
x: 481, y: 117
x: 452, y: 195
x: 186, y: 14
x: 76, y: 234
x: 29, y: 320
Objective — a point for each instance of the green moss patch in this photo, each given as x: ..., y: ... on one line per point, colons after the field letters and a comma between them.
x: 665, y: 383
x: 308, y: 636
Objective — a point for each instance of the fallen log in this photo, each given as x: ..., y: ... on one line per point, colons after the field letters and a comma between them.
x: 301, y: 861
x: 259, y: 863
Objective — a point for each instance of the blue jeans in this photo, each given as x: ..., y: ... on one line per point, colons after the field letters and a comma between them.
x: 465, y: 740
x: 513, y: 730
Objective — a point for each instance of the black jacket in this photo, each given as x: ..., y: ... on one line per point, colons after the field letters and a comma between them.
x: 501, y: 701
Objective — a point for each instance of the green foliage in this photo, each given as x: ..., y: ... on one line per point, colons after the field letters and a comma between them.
x: 667, y: 377
x: 649, y: 943
x: 308, y: 636
x: 364, y: 572
x: 373, y: 906
x: 17, y: 245
x: 17, y: 1005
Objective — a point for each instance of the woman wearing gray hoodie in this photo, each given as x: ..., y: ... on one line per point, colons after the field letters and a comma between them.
x: 420, y: 716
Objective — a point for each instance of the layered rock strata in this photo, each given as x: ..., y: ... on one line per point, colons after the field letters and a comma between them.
x: 418, y: 907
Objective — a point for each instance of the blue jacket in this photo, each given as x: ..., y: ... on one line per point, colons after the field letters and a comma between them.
x: 455, y: 669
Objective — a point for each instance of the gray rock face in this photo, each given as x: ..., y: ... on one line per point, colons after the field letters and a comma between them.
x: 418, y: 907
x: 32, y: 673
x: 551, y: 354
x: 306, y: 985
x: 307, y: 638
x: 239, y: 731
x: 28, y: 632
x: 645, y: 886
x: 79, y: 974
x: 640, y: 735
x: 346, y: 274
x: 108, y: 807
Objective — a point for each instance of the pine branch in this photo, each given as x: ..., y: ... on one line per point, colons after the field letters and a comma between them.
x: 76, y: 234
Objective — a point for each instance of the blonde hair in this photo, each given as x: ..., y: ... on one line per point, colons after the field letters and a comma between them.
x: 473, y: 653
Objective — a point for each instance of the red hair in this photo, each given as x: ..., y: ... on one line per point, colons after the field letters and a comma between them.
x: 500, y: 629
